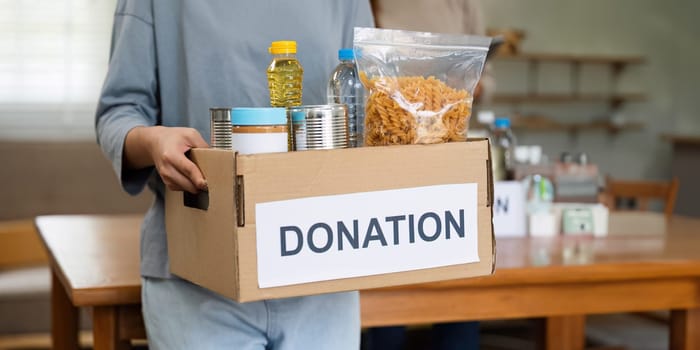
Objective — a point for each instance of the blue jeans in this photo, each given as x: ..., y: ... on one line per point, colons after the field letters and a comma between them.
x: 181, y: 315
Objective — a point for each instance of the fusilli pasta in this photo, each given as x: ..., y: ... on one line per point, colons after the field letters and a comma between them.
x: 408, y: 110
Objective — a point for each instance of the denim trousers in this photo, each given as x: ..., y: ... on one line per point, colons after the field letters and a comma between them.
x: 181, y: 315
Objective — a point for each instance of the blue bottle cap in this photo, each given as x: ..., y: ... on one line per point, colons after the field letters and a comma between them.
x: 346, y: 54
x: 258, y: 116
x: 502, y: 123
x: 298, y: 116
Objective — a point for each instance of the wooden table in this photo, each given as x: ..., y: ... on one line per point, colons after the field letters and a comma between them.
x: 94, y: 263
x: 94, y: 260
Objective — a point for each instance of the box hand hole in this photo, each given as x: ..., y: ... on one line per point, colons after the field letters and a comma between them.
x: 197, y: 201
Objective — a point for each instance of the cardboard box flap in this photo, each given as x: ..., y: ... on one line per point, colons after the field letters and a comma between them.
x: 203, y: 238
x: 281, y: 176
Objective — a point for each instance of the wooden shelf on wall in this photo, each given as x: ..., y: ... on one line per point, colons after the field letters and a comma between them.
x: 532, y: 94
x: 683, y: 139
x: 545, y: 124
x: 571, y: 58
x: 567, y: 98
x: 574, y: 93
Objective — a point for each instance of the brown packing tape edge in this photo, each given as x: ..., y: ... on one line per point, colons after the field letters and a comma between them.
x: 236, y: 260
x: 490, y: 181
x: 490, y: 198
x: 239, y: 198
x: 490, y: 194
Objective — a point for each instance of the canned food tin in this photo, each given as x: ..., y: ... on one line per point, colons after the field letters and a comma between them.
x: 319, y: 126
x: 220, y: 128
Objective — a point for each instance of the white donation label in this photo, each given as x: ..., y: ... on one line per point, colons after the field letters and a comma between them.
x: 368, y: 233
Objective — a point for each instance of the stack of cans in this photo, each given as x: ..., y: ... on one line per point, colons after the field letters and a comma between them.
x: 319, y: 127
x: 220, y: 128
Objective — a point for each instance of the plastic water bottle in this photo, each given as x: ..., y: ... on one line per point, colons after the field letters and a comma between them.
x: 503, y: 147
x: 344, y: 87
x: 484, y: 125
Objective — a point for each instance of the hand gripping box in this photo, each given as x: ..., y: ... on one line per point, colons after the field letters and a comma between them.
x: 288, y: 224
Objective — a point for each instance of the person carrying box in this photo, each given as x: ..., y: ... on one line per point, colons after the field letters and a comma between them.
x: 171, y: 60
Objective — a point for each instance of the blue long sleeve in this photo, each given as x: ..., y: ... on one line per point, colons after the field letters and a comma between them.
x: 129, y: 96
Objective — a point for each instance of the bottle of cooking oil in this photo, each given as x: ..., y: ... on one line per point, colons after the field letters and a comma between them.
x: 284, y: 75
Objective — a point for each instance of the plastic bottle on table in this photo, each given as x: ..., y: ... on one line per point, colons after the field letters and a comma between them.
x: 503, y: 147
x: 484, y: 125
x: 344, y: 87
x: 284, y: 75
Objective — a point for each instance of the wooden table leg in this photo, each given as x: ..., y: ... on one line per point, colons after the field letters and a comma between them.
x: 105, y: 329
x: 685, y: 329
x: 131, y: 324
x: 64, y: 317
x: 565, y: 332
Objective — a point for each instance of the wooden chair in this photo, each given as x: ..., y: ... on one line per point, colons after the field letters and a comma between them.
x: 637, y: 195
x: 641, y: 193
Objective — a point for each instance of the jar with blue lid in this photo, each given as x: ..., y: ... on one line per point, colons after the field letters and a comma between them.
x: 259, y: 130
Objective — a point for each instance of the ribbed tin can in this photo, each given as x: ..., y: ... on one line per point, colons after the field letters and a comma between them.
x: 220, y: 128
x: 320, y: 126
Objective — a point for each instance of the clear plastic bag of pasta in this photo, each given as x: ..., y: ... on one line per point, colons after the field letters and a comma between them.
x: 420, y: 84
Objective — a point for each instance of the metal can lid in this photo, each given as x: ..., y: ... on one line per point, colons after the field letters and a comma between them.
x: 329, y: 111
x: 220, y: 114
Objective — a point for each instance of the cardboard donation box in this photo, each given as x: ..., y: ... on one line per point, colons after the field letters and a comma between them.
x: 299, y: 223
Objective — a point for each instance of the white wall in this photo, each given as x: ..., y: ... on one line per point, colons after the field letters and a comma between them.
x: 666, y: 33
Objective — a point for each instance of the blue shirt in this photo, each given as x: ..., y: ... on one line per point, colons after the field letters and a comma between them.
x: 171, y: 60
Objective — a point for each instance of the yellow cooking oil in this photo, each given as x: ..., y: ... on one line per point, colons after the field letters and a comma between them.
x: 284, y: 75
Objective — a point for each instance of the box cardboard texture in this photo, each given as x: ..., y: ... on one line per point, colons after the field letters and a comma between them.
x: 216, y: 247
